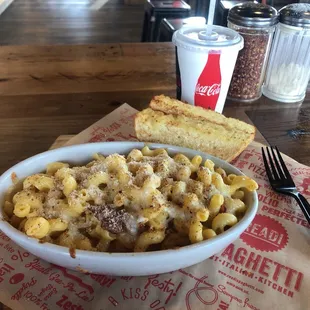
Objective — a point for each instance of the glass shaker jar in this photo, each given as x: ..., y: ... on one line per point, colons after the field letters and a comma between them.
x: 288, y: 70
x: 256, y: 23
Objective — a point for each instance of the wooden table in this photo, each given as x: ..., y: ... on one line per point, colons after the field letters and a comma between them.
x: 47, y: 91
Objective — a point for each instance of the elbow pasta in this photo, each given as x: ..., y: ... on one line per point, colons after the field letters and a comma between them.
x: 147, y: 200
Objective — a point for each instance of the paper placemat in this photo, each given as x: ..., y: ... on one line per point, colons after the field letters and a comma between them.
x: 266, y: 268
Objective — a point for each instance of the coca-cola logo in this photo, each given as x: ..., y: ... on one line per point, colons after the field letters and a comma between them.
x: 208, y: 90
x: 208, y: 86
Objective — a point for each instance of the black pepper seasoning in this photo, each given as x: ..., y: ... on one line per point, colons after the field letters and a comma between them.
x: 256, y: 23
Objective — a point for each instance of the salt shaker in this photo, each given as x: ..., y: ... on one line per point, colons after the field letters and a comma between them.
x: 256, y: 23
x: 288, y: 70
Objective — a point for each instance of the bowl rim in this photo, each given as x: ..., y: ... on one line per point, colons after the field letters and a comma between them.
x: 10, y: 231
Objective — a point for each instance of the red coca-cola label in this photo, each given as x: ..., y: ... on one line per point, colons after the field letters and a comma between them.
x: 208, y: 86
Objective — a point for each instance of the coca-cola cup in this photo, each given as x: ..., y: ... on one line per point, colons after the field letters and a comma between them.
x: 205, y: 61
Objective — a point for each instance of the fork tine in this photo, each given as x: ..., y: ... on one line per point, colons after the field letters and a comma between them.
x: 269, y: 174
x: 274, y: 170
x: 284, y: 168
x: 276, y: 161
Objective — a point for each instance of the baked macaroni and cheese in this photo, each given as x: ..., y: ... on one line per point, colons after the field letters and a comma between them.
x: 144, y: 201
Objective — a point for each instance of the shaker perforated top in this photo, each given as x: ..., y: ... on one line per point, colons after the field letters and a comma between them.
x: 296, y: 14
x: 250, y: 14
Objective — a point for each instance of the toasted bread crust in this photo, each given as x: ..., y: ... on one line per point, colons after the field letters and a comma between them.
x: 173, y: 106
x: 170, y: 121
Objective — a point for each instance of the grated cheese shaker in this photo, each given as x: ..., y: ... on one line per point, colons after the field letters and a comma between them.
x: 288, y: 69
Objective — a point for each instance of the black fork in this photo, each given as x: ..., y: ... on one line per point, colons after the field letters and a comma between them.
x: 281, y: 180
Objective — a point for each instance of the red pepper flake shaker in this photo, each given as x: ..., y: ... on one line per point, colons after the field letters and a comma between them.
x: 256, y: 23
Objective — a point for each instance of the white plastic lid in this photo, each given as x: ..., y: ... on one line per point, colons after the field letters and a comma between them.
x: 204, y: 38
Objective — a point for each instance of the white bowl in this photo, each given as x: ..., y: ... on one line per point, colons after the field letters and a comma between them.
x: 119, y: 264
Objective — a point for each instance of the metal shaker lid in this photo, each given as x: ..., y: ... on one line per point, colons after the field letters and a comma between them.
x: 254, y: 15
x: 296, y: 14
